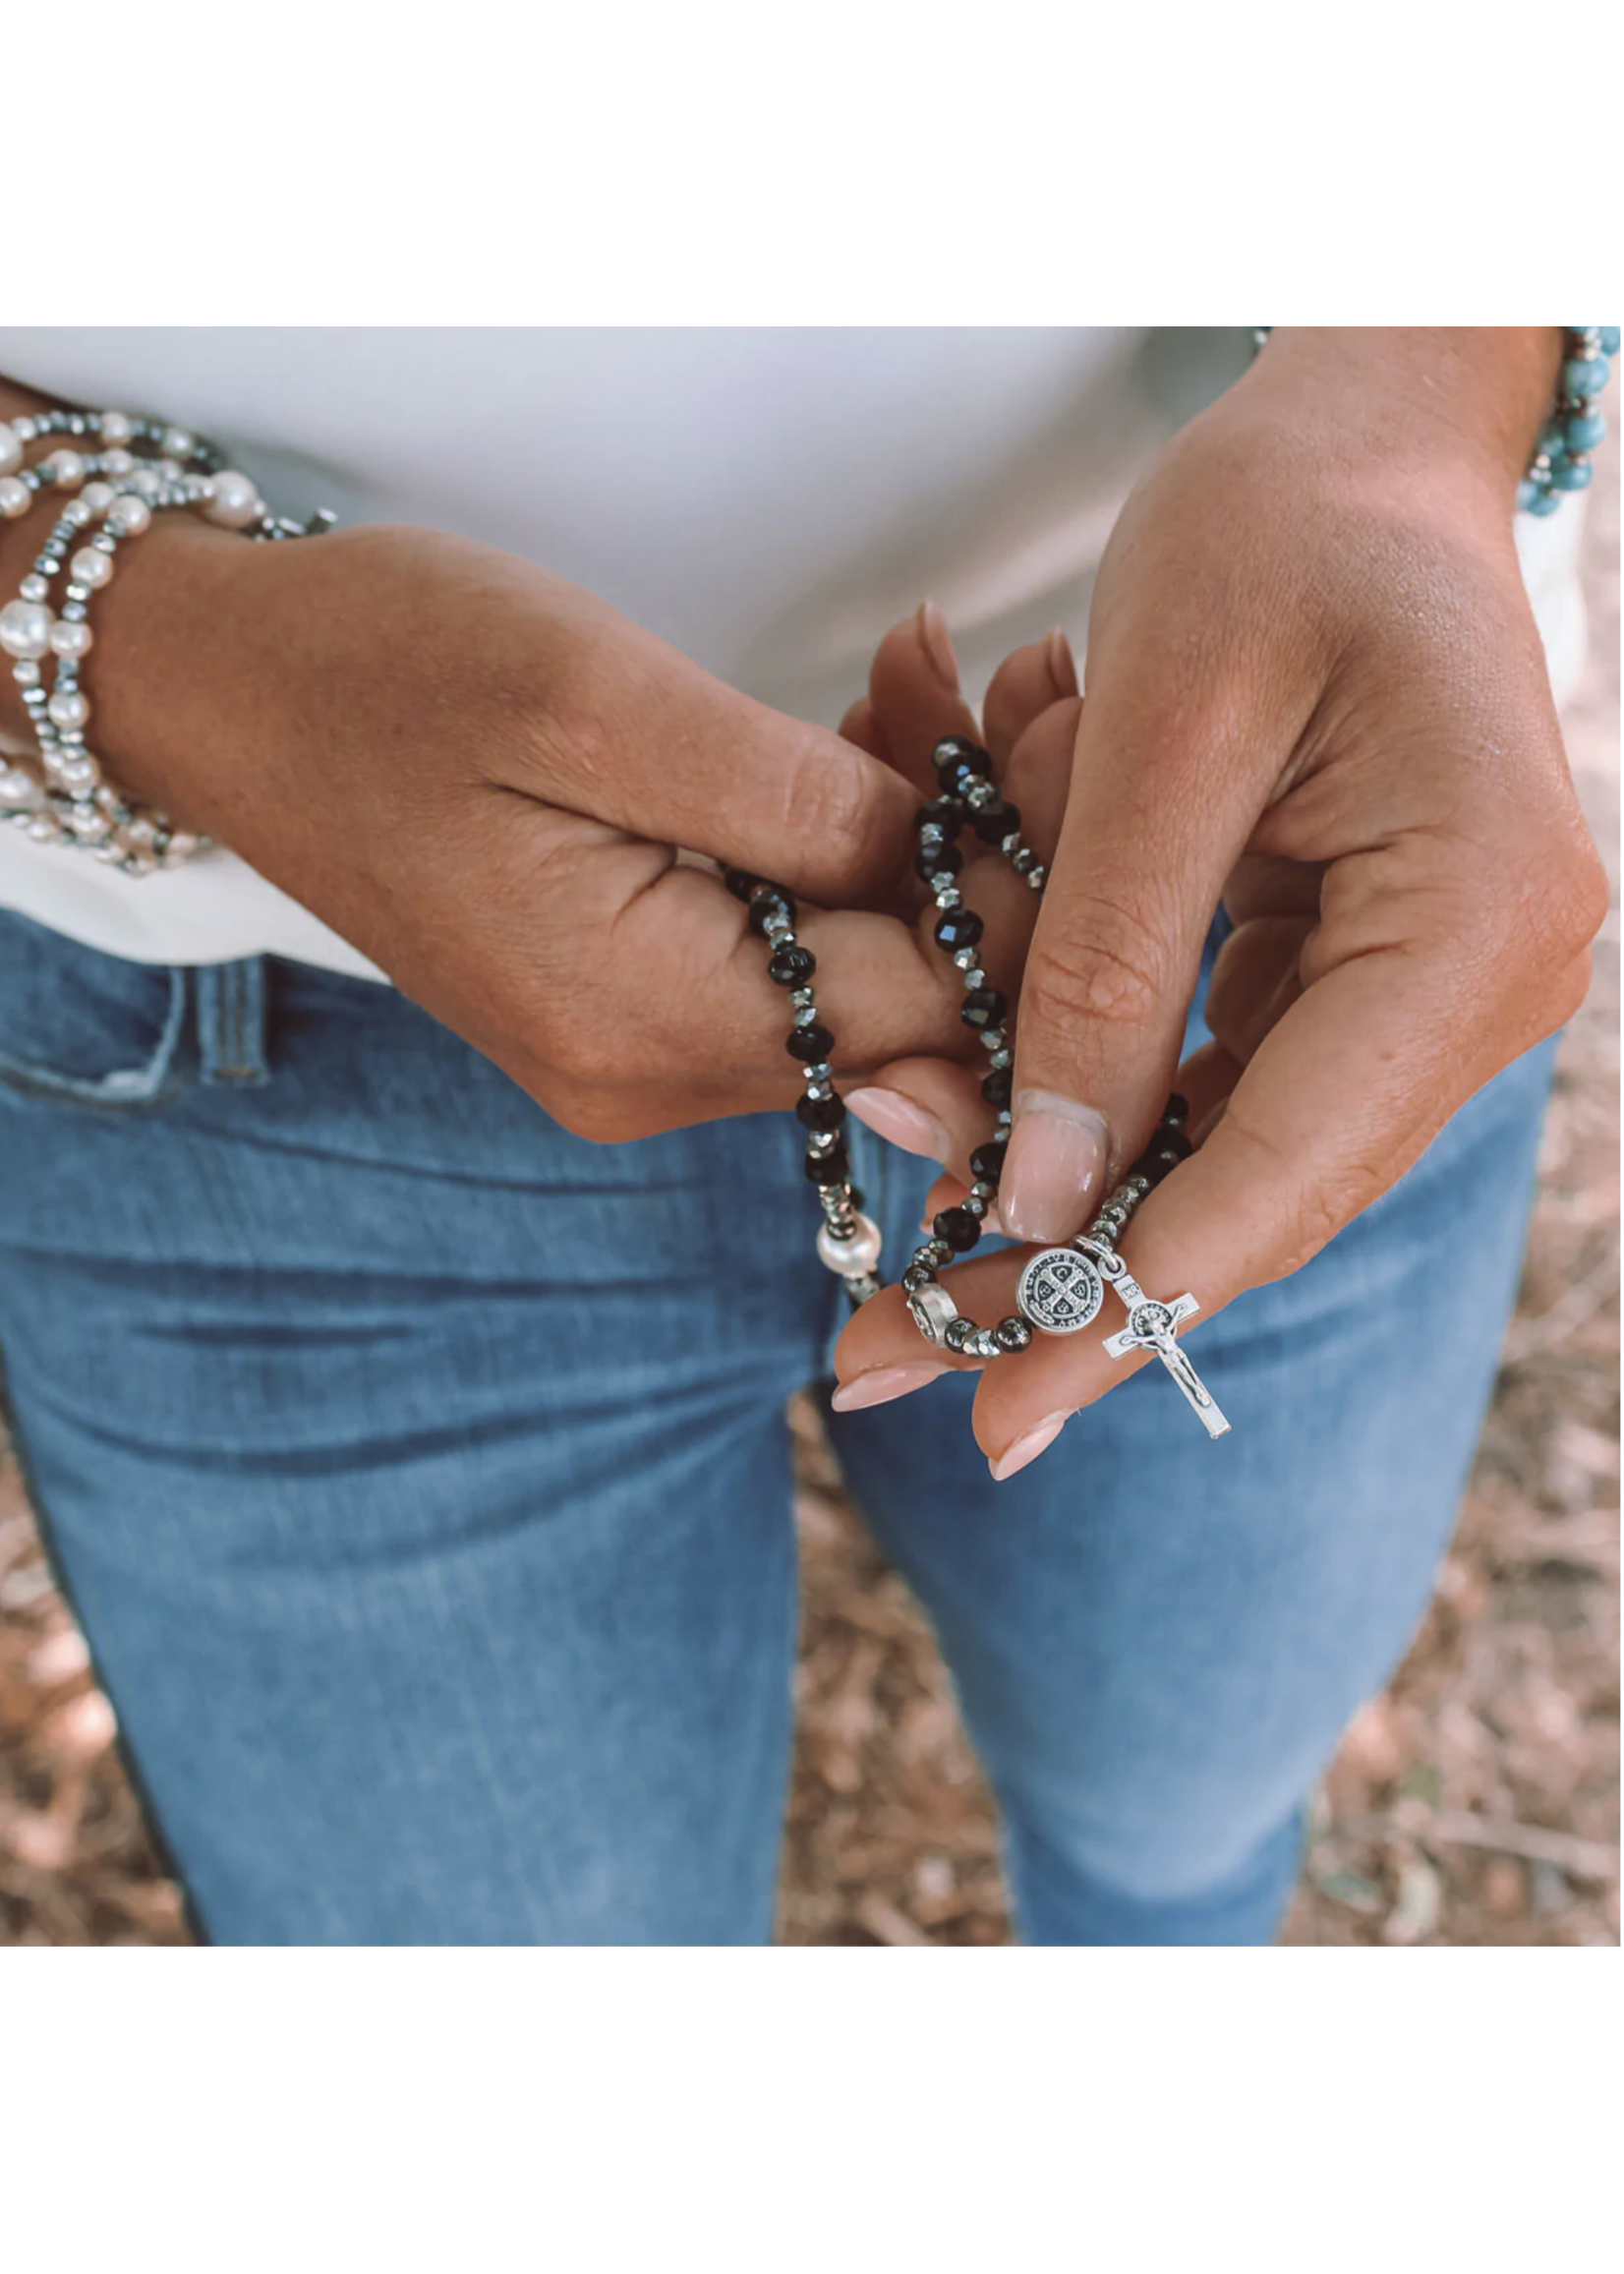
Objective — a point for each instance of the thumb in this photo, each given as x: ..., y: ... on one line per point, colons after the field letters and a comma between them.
x: 1163, y: 799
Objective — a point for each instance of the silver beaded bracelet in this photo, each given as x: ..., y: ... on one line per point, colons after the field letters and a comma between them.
x: 134, y: 469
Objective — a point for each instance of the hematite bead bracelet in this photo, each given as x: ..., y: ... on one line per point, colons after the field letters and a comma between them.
x: 1061, y: 1289
x: 1561, y: 458
x: 116, y: 486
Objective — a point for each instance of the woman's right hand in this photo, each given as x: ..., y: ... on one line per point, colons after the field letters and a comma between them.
x: 476, y: 773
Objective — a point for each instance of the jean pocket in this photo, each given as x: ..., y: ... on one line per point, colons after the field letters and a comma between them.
x: 77, y: 1027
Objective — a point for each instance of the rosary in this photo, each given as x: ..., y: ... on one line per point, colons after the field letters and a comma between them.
x: 1061, y: 1289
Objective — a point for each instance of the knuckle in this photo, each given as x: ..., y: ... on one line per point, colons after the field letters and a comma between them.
x: 826, y: 793
x: 1103, y: 964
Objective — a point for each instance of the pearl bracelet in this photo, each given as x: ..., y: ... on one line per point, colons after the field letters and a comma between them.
x: 1561, y: 458
x: 121, y: 490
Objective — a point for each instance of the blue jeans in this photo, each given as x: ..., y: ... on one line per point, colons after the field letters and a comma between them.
x: 420, y: 1475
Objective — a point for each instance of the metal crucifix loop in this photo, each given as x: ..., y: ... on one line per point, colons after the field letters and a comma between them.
x: 1154, y: 1327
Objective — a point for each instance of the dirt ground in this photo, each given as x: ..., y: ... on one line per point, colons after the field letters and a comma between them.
x: 1476, y: 1802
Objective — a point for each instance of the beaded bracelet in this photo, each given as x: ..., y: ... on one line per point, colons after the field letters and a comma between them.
x: 1060, y: 1289
x: 121, y: 490
x: 1561, y: 458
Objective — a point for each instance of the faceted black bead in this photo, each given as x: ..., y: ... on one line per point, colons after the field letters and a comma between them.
x: 937, y: 860
x: 1012, y: 1334
x: 995, y: 822
x: 958, y: 928
x: 987, y: 1160
x: 829, y: 1168
x: 824, y: 1113
x: 1173, y: 1142
x: 740, y: 883
x: 947, y: 814
x: 1175, y: 1112
x: 855, y: 1196
x: 996, y: 1086
x: 958, y: 1228
x: 983, y: 1007
x: 791, y: 967
x: 768, y: 905
x: 809, y: 1044
x: 917, y: 1275
x: 955, y: 753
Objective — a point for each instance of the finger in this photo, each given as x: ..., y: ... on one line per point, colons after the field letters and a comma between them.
x: 914, y: 693
x: 1256, y: 979
x: 1023, y: 687
x: 928, y: 1107
x: 863, y: 726
x: 1137, y: 872
x: 1037, y: 778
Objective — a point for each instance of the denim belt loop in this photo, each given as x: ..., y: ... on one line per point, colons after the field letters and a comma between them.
x: 231, y: 1023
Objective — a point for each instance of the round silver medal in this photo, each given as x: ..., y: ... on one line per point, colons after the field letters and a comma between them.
x: 1060, y: 1291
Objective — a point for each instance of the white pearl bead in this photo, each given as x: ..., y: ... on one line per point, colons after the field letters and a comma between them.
x: 34, y: 588
x: 72, y: 639
x: 90, y: 567
x: 24, y: 629
x: 233, y: 501
x: 129, y: 517
x: 67, y: 712
x: 11, y: 449
x: 116, y: 428
x: 852, y: 1257
x: 96, y: 497
x: 179, y: 442
x: 68, y: 467
x: 15, y: 496
x: 117, y: 462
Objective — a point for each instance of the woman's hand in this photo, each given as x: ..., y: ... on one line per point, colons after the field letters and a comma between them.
x: 1315, y: 687
x: 477, y: 773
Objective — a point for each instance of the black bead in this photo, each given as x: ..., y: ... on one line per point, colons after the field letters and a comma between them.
x: 1173, y: 1142
x: 996, y: 1086
x: 987, y: 1162
x: 916, y: 1277
x: 937, y: 860
x: 768, y: 905
x: 1012, y: 1334
x: 822, y: 1113
x: 791, y: 967
x: 983, y: 1007
x: 995, y: 822
x: 958, y: 1228
x: 946, y: 813
x: 809, y: 1044
x: 956, y: 754
x: 829, y: 1168
x: 740, y: 883
x: 958, y: 928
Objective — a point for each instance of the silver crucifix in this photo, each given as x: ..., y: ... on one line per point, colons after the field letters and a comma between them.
x: 1154, y: 1327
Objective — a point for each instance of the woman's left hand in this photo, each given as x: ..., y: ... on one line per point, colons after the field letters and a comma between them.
x: 1315, y: 688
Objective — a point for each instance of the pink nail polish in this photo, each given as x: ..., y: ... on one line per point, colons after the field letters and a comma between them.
x: 883, y: 1383
x: 1055, y: 1166
x: 1026, y: 1449
x: 900, y: 1121
x: 1062, y: 664
x: 932, y: 634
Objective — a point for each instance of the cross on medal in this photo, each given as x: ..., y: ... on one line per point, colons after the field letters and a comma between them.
x: 1154, y: 1327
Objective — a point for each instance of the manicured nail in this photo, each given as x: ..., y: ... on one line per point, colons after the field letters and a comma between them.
x: 884, y: 1383
x: 900, y: 1122
x: 1025, y: 1450
x: 1062, y: 664
x: 933, y: 636
x: 1055, y: 1164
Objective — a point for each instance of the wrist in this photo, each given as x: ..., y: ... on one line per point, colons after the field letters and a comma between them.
x: 1442, y: 405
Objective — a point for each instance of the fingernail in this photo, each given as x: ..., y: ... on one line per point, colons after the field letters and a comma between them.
x: 900, y: 1122
x: 1055, y: 1162
x: 1025, y: 1450
x: 933, y: 636
x: 884, y: 1383
x: 1062, y: 664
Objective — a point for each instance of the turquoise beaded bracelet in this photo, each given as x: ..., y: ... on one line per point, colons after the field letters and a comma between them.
x: 1562, y: 455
